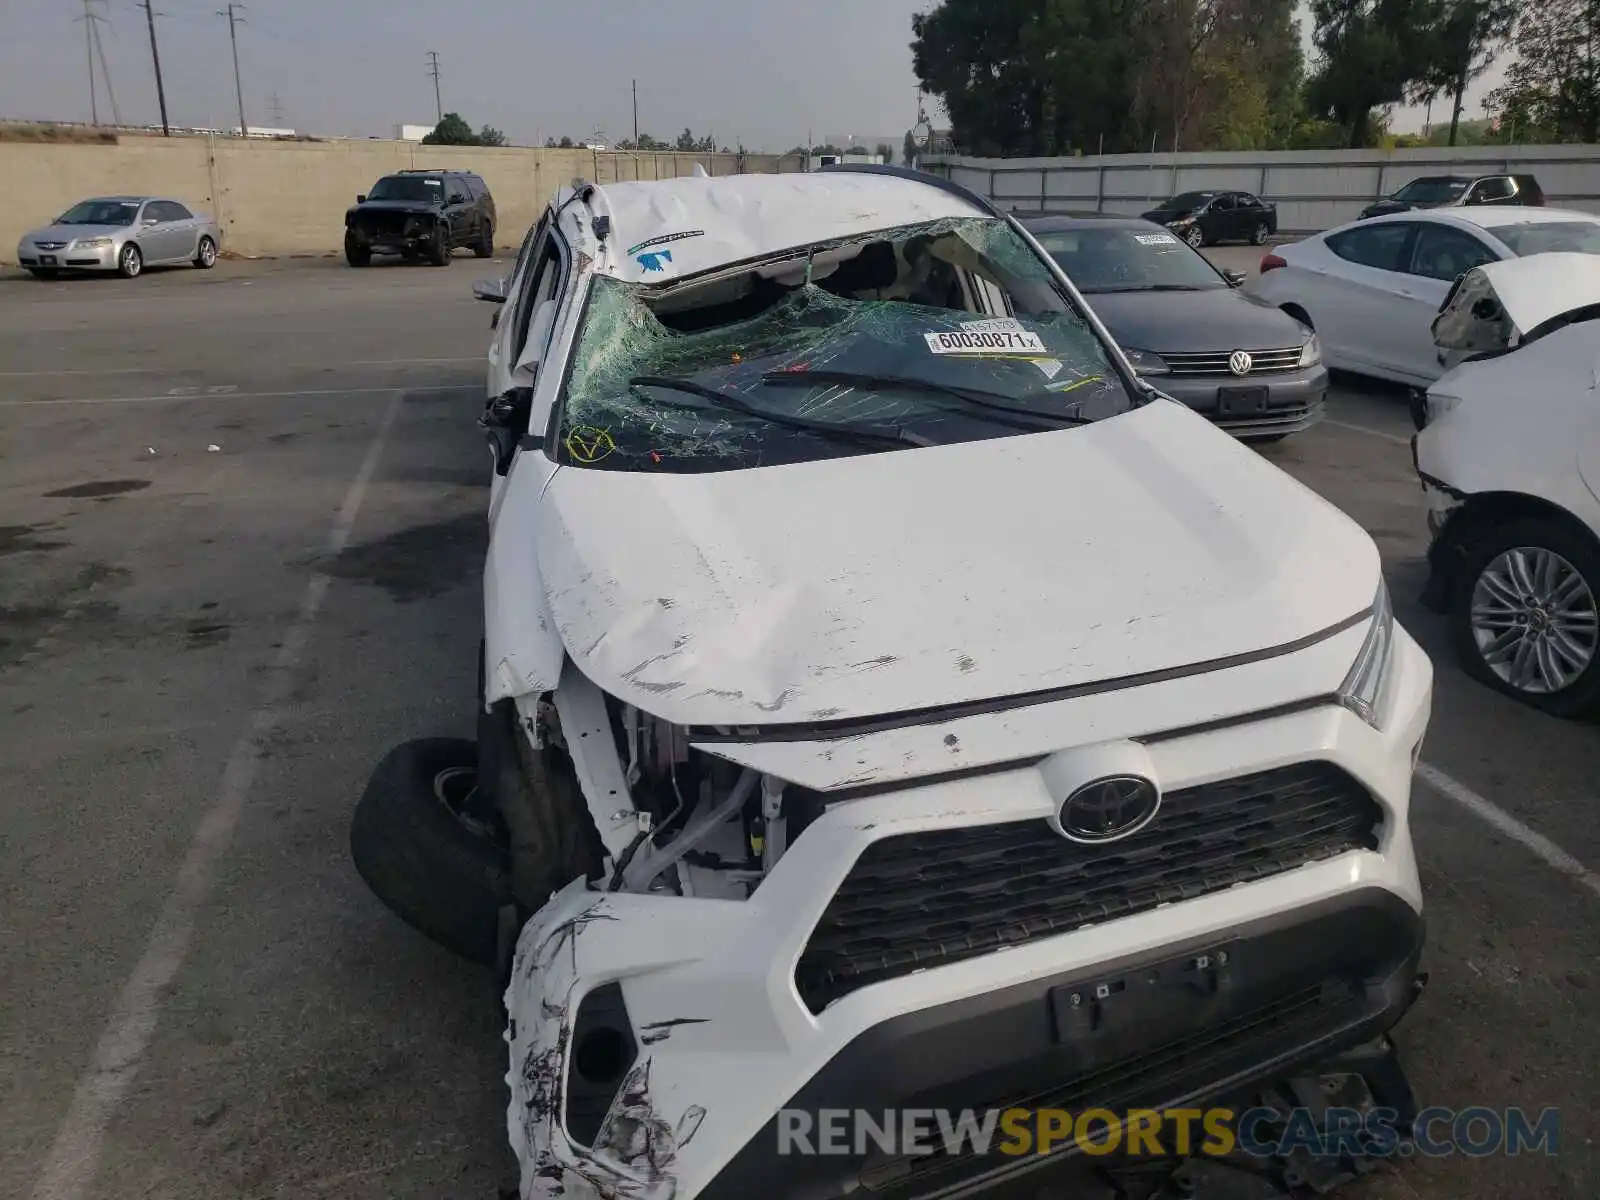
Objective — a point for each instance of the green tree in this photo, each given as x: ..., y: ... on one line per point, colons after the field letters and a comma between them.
x: 908, y: 150
x: 1373, y: 53
x: 451, y: 131
x: 885, y: 152
x: 1468, y: 37
x: 490, y: 136
x: 1552, y: 90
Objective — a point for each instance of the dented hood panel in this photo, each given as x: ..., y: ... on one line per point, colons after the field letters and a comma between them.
x: 876, y: 584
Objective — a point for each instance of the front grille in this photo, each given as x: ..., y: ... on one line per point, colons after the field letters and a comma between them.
x: 51, y: 245
x: 378, y: 226
x: 1262, y: 362
x: 928, y: 899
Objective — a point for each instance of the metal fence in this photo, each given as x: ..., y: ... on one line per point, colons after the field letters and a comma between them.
x: 1313, y: 189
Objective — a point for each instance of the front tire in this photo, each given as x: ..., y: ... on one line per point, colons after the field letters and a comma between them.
x: 439, y: 246
x: 1525, y: 614
x: 485, y: 245
x: 356, y: 254
x: 206, y: 254
x: 418, y: 842
x: 130, y: 262
x: 1195, y: 236
x: 1260, y: 234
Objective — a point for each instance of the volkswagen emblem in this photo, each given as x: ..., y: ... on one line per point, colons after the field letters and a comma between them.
x: 1109, y: 809
x: 1240, y: 362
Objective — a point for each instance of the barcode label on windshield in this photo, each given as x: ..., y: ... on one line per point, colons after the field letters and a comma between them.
x: 1155, y: 239
x: 1020, y: 342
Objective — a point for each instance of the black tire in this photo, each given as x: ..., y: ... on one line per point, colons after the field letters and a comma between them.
x: 484, y: 248
x: 42, y: 272
x: 1195, y: 236
x: 356, y: 254
x: 1482, y: 546
x: 440, y: 875
x: 1260, y: 234
x: 438, y: 248
x: 205, y: 254
x: 130, y: 261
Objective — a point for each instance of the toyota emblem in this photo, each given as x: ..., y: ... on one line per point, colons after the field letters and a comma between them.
x: 1240, y: 362
x: 1109, y: 809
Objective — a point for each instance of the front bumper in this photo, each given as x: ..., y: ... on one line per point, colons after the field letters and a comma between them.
x: 69, y: 257
x: 654, y: 1039
x: 391, y: 235
x: 1295, y: 400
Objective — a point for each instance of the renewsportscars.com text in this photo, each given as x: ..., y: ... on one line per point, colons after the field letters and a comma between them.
x: 1215, y: 1132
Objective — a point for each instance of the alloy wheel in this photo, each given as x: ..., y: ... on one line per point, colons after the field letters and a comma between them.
x: 1535, y: 620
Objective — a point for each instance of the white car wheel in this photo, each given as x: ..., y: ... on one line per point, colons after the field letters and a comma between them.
x: 206, y: 258
x: 130, y: 262
x: 1195, y: 237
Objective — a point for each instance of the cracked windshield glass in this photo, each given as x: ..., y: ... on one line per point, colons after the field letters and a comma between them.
x: 926, y: 335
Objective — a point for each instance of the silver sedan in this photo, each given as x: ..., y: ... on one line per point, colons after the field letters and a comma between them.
x: 125, y: 234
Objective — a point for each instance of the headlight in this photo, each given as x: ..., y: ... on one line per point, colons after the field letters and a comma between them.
x: 1362, y: 688
x: 1180, y: 223
x: 1146, y: 363
x: 91, y: 243
x: 1311, y: 352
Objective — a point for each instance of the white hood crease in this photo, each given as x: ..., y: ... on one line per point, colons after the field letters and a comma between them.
x: 858, y: 587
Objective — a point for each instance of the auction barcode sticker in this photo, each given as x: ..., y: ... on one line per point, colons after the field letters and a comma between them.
x: 1020, y: 342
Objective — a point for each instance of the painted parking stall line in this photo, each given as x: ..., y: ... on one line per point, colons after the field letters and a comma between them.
x: 73, y: 1162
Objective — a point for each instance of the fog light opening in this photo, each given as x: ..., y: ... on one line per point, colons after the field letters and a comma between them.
x: 602, y: 1055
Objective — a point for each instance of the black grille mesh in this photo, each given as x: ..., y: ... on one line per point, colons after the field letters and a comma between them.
x: 924, y: 900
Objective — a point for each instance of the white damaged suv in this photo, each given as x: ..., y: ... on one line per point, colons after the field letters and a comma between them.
x: 888, y: 701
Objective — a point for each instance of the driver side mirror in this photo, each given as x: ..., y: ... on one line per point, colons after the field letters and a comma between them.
x: 362, y: 198
x: 1235, y: 278
x: 491, y: 290
x: 505, y: 423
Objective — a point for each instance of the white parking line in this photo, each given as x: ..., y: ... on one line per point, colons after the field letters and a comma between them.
x: 1366, y: 429
x: 1551, y: 854
x: 186, y: 395
x: 74, y: 1159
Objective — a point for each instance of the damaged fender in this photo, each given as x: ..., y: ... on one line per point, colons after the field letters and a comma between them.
x: 523, y: 653
x: 635, y: 1152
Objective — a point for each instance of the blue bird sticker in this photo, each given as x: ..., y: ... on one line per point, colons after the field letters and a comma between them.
x: 653, y: 260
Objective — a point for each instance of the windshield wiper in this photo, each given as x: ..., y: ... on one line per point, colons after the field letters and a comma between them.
x: 733, y: 403
x: 989, y: 401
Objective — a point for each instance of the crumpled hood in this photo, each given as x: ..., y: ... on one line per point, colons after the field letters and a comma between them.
x: 877, y: 584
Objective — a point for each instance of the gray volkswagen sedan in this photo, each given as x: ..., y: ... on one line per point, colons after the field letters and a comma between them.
x: 125, y: 234
x: 1251, y: 368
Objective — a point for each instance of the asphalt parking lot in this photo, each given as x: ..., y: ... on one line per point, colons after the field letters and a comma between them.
x: 240, y: 541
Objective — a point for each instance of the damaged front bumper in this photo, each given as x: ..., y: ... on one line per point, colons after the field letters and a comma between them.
x: 655, y: 1039
x: 391, y: 235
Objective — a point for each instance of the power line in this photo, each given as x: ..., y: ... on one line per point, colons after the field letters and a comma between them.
x: 433, y: 69
x: 233, y: 21
x: 155, y: 57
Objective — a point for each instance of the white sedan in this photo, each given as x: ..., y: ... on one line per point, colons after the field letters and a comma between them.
x: 1371, y: 288
x: 1509, y: 457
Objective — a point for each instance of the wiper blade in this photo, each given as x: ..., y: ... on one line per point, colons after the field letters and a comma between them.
x: 989, y: 401
x: 733, y: 403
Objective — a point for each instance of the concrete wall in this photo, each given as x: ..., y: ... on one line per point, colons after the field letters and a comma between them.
x: 284, y: 198
x: 1314, y: 189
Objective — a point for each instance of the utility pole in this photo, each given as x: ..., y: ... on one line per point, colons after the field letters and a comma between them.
x: 636, y: 114
x: 433, y: 69
x: 233, y: 37
x: 105, y: 71
x: 155, y: 57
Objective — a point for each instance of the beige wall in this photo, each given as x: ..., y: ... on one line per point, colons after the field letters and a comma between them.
x: 283, y: 198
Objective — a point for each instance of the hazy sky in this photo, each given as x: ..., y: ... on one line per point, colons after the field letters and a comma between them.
x: 764, y: 71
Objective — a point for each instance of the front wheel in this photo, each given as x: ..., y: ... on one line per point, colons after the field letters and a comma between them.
x: 439, y: 246
x: 206, y: 255
x: 1259, y: 235
x: 1525, y: 617
x: 485, y: 245
x: 356, y: 254
x: 1195, y: 236
x: 130, y: 262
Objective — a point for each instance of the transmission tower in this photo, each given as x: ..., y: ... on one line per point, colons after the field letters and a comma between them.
x: 275, y: 107
x: 94, y: 49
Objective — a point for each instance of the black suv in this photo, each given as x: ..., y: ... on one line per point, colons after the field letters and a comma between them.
x: 421, y: 214
x: 1454, y: 191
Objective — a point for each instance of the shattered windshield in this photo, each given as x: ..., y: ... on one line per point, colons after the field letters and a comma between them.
x: 927, y: 335
x: 1129, y: 259
x: 406, y: 187
x: 1542, y: 237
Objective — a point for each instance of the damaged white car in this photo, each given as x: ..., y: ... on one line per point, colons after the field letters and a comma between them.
x: 1508, y: 451
x: 891, y: 704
